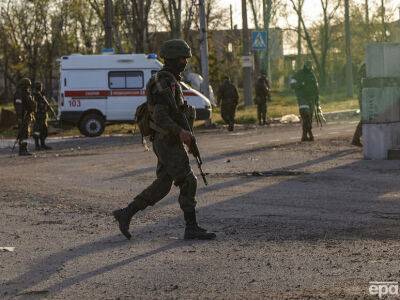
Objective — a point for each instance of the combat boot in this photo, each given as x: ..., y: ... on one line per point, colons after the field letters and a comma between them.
x: 124, y: 217
x: 23, y: 150
x: 310, y: 136
x: 43, y: 145
x: 304, y: 137
x: 193, y: 231
x: 37, y: 146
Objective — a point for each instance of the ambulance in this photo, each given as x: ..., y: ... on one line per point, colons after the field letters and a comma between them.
x: 96, y: 90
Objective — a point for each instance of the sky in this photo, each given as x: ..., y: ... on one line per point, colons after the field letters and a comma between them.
x: 312, y: 10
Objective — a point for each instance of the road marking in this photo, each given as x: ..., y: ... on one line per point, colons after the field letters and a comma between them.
x: 274, y: 141
x: 334, y: 132
x: 252, y: 143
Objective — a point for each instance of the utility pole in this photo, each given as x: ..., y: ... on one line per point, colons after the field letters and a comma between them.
x: 267, y: 6
x: 247, y: 66
x: 349, y: 64
x: 108, y: 23
x: 231, y: 15
x: 204, y: 52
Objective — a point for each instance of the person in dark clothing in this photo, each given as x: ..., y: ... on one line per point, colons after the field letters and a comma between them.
x: 305, y: 86
x: 228, y: 98
x: 262, y: 96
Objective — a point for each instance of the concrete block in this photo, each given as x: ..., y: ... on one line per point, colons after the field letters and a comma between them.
x: 379, y: 138
x: 383, y: 60
x: 381, y: 105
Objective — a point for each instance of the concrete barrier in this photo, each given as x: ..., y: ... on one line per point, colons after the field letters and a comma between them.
x: 381, y: 100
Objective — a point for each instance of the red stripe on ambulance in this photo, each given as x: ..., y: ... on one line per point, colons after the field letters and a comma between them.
x: 90, y: 94
x: 115, y: 93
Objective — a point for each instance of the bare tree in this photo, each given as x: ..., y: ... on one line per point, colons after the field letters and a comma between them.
x: 172, y: 11
x: 267, y: 11
x: 349, y: 63
x: 137, y: 19
x: 324, y: 41
x: 383, y: 21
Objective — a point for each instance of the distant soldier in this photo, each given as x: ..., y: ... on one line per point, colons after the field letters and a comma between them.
x: 24, y: 108
x: 40, y: 128
x: 228, y: 98
x: 305, y: 86
x: 362, y: 73
x: 262, y: 95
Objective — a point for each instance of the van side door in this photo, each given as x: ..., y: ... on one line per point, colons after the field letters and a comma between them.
x: 126, y: 91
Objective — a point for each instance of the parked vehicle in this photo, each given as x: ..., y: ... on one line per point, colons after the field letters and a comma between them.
x: 96, y: 90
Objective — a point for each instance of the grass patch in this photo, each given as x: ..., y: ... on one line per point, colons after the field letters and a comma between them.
x: 8, y: 106
x: 283, y: 103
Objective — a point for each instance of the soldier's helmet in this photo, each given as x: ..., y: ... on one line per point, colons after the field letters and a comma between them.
x: 25, y: 83
x: 308, y: 64
x: 173, y: 49
x: 38, y: 86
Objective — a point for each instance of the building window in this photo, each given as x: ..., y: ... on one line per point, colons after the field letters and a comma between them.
x: 125, y: 80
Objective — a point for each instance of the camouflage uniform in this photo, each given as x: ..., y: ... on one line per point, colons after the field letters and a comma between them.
x: 168, y: 111
x: 305, y: 85
x: 173, y: 162
x: 228, y: 98
x: 362, y: 73
x: 262, y: 95
x: 24, y: 107
x: 40, y: 129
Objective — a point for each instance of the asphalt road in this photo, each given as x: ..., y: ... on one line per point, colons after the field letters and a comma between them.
x: 293, y: 220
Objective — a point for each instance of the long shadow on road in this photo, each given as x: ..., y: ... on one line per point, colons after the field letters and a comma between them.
x: 327, y: 205
x: 236, y: 153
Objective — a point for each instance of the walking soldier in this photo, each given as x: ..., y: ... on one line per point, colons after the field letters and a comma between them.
x: 169, y: 114
x: 262, y: 96
x: 228, y: 99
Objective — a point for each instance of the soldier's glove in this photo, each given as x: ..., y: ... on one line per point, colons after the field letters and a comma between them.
x: 186, y: 137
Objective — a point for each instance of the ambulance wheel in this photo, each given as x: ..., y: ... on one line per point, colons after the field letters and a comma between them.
x: 92, y: 125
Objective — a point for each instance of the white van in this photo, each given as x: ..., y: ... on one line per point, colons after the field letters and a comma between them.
x: 96, y: 90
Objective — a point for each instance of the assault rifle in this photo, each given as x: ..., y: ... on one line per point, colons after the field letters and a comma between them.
x: 193, y: 148
x: 319, y: 115
x: 51, y: 109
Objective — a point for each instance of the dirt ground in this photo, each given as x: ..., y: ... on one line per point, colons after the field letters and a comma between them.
x: 293, y: 220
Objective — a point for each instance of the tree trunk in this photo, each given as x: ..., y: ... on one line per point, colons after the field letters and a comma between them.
x: 349, y: 67
x: 384, y: 25
x: 299, y: 50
